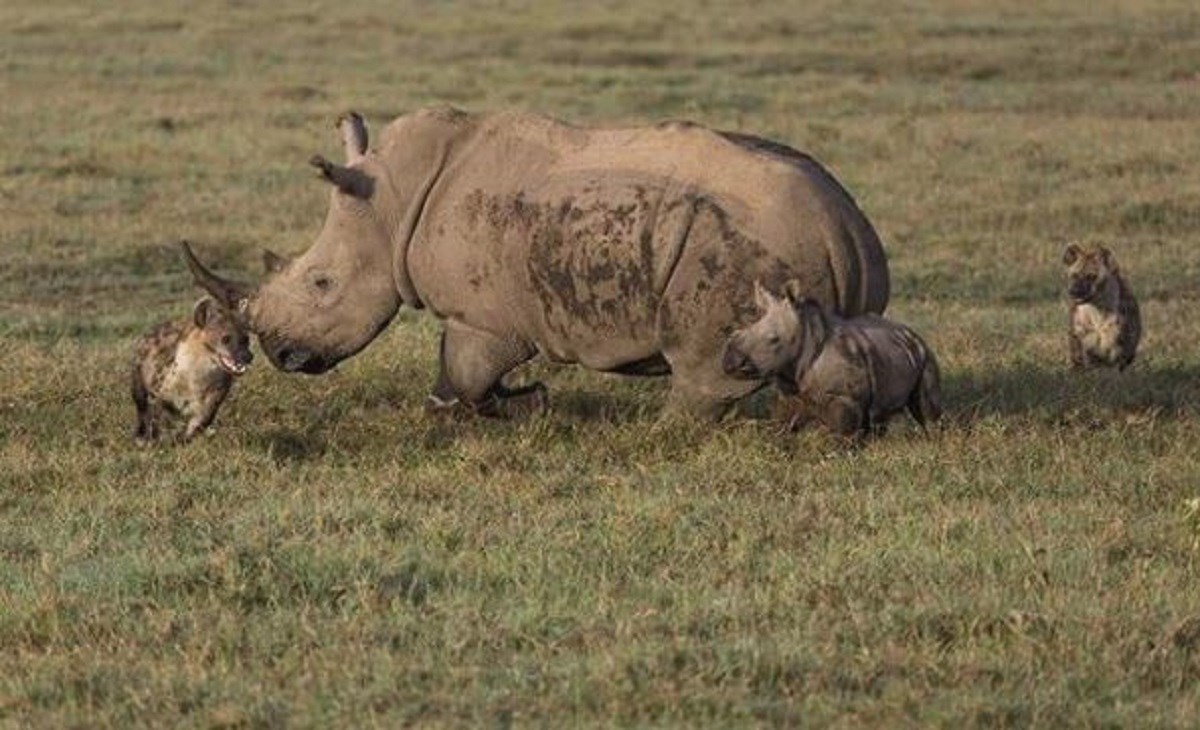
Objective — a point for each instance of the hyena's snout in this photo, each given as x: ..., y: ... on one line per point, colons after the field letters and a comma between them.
x: 1081, y: 287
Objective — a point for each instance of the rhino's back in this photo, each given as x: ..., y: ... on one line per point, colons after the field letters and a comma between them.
x: 892, y: 353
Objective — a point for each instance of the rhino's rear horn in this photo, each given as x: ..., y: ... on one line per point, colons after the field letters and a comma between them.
x: 229, y: 293
x: 347, y: 179
x: 354, y: 135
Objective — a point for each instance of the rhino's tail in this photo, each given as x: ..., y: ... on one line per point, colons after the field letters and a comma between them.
x: 925, y: 402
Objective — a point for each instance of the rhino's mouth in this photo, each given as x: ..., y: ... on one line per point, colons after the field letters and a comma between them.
x: 299, y: 360
x: 739, y: 365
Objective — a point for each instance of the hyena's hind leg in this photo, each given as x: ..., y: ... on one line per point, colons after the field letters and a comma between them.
x: 925, y: 402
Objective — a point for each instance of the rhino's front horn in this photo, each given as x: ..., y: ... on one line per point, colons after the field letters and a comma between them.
x: 230, y: 293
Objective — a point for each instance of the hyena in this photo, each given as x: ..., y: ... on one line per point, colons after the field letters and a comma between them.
x: 186, y: 367
x: 851, y: 375
x: 1105, y: 322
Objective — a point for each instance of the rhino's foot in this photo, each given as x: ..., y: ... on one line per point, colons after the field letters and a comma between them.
x: 501, y: 402
x: 436, y: 404
x: 453, y: 408
x: 528, y: 400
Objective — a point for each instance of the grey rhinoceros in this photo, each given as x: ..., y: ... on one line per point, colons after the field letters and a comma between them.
x: 630, y: 249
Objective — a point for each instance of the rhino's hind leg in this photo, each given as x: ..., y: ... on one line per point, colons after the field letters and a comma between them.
x: 471, y: 365
x: 925, y: 402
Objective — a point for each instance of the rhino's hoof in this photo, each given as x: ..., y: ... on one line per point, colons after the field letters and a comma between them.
x: 530, y: 400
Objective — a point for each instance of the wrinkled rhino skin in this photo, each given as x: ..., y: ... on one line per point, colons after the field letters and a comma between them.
x: 629, y: 250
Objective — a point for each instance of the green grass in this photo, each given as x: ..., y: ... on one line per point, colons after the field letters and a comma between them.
x: 333, y: 557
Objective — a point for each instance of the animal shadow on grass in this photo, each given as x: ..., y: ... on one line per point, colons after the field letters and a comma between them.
x: 608, y: 407
x: 1060, y: 395
x: 291, y: 446
x: 304, y: 442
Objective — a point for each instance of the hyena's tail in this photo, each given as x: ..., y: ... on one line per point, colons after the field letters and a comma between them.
x: 925, y: 402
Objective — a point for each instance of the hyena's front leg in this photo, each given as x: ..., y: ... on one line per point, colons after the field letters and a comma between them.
x: 1078, y: 360
x: 205, y: 413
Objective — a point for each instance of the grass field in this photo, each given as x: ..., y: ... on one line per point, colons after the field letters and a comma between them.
x: 332, y: 557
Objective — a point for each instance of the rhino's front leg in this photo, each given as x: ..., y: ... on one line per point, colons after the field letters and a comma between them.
x: 846, y: 417
x: 472, y: 364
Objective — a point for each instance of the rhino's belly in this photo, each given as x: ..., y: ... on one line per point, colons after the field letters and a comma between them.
x: 616, y: 354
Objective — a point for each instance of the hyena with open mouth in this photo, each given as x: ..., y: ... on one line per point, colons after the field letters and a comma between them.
x: 1105, y: 322
x: 186, y: 367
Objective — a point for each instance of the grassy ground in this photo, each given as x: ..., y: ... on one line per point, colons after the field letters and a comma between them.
x: 331, y: 557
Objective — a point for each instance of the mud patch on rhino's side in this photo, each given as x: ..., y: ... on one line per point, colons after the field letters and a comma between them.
x: 714, y: 294
x: 591, y: 256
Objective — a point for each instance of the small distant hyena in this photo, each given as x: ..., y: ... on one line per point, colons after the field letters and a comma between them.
x: 186, y: 368
x: 1105, y: 322
x: 852, y: 375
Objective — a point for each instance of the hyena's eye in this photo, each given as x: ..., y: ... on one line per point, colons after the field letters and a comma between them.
x: 773, y: 340
x: 227, y: 340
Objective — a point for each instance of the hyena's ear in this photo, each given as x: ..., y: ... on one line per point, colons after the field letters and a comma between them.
x: 1109, y: 261
x: 1071, y: 254
x: 203, y: 312
x: 814, y: 330
x: 273, y: 262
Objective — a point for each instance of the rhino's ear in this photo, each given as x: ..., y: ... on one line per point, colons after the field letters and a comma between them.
x: 814, y: 330
x: 793, y: 290
x: 763, y: 299
x: 273, y: 263
x: 354, y: 135
x: 347, y: 179
x: 1071, y: 254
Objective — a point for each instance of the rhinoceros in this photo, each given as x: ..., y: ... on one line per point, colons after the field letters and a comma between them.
x: 631, y: 250
x: 852, y: 375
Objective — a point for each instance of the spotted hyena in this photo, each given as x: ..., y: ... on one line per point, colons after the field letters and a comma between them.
x: 851, y: 375
x: 186, y: 367
x: 1105, y: 323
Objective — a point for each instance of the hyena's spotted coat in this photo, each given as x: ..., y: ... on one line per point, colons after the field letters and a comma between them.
x: 1105, y: 323
x: 186, y: 367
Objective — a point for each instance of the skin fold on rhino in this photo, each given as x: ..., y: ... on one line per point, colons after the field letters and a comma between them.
x: 631, y: 250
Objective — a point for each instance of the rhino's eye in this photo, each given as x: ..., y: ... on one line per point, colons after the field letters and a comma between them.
x: 323, y: 283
